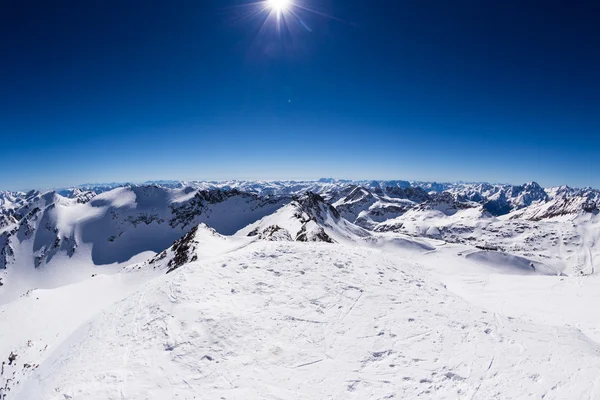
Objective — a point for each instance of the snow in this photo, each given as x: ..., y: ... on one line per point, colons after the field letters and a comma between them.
x: 40, y: 320
x: 285, y: 217
x: 439, y: 300
x: 289, y: 320
x: 61, y: 240
x: 511, y: 264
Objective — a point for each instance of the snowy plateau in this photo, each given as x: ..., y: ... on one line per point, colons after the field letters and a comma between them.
x: 290, y: 290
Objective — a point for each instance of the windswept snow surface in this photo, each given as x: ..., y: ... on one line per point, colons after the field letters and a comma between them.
x: 291, y: 320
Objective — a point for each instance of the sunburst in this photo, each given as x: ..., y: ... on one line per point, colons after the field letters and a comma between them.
x: 279, y: 6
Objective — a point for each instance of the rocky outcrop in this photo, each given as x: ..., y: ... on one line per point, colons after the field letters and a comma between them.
x: 272, y: 233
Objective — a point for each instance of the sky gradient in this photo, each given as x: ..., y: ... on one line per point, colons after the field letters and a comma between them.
x: 122, y: 90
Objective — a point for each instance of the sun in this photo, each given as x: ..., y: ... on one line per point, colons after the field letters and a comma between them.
x: 279, y: 6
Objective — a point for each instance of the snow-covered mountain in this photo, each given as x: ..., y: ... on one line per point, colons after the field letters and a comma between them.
x: 498, y: 199
x: 50, y: 231
x: 102, y: 225
x: 307, y: 218
x: 299, y: 290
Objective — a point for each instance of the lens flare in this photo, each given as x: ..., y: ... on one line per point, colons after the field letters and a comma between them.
x: 278, y: 24
x: 279, y: 6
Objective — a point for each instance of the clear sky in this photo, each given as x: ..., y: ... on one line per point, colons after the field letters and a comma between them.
x: 123, y: 90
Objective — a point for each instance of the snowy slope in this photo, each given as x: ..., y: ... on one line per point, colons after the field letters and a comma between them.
x: 566, y: 243
x: 58, y: 240
x: 285, y: 320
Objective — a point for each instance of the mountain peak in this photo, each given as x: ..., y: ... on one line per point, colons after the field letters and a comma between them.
x: 314, y: 205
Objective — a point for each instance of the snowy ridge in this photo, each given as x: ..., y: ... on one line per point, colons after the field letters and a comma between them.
x: 201, y: 242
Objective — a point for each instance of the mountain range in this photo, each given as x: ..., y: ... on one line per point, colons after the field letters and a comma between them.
x: 111, y: 224
x: 298, y: 290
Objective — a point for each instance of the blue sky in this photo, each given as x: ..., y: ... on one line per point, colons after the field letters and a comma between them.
x: 137, y: 90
